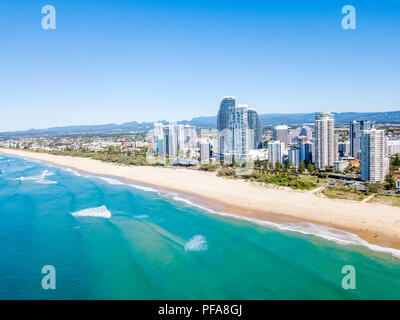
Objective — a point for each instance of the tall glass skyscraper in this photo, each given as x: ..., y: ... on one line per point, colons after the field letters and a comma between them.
x: 255, y: 127
x: 356, y: 128
x: 223, y: 122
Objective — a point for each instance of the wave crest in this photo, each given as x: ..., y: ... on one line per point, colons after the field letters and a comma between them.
x: 332, y: 234
x: 197, y: 243
x: 100, y: 212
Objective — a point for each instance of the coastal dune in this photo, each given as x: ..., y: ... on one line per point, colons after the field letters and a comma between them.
x: 375, y: 223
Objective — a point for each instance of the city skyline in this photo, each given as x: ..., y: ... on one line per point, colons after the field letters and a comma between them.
x: 117, y: 63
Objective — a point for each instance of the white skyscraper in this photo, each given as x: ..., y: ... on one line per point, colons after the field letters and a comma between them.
x: 276, y: 150
x: 392, y: 147
x: 356, y: 128
x: 205, y: 151
x: 190, y: 136
x: 238, y: 126
x: 282, y: 134
x: 325, y: 146
x: 374, y: 164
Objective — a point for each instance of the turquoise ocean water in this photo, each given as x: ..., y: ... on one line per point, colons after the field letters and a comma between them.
x: 113, y: 240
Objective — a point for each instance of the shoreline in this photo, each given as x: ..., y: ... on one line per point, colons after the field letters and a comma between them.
x: 374, y: 223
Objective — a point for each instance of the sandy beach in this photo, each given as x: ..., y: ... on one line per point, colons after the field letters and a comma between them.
x: 375, y: 223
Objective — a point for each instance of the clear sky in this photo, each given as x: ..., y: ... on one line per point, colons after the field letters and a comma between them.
x: 118, y: 61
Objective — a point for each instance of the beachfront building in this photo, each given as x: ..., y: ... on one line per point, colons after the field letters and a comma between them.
x: 276, y: 151
x: 282, y: 134
x: 356, y: 128
x: 344, y: 148
x: 340, y: 166
x: 169, y: 141
x: 306, y: 147
x: 255, y: 129
x: 325, y: 145
x: 392, y: 147
x: 174, y: 139
x: 205, y: 152
x: 238, y: 147
x: 294, y: 156
x: 374, y: 164
x: 158, y: 130
x: 190, y: 137
x: 223, y: 124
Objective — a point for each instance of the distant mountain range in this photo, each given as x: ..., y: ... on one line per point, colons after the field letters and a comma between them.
x: 268, y: 119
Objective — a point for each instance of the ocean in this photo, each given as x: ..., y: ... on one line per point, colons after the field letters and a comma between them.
x: 112, y: 239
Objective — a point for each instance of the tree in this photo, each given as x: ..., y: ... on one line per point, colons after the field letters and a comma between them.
x: 287, y: 165
x: 233, y: 161
x: 278, y: 166
x: 373, y: 187
x: 310, y: 168
x: 302, y: 167
x: 270, y: 166
x: 395, y: 162
x: 390, y: 182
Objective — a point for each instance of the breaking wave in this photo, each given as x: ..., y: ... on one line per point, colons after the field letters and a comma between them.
x: 143, y: 216
x: 135, y: 186
x: 111, y: 181
x: 147, y: 189
x: 39, y: 179
x: 100, y: 212
x: 75, y: 173
x: 197, y: 243
x: 332, y: 234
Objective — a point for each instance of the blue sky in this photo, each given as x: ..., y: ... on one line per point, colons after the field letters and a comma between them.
x: 117, y: 61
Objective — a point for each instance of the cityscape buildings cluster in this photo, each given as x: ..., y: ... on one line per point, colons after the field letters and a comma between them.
x: 240, y: 138
x: 319, y: 146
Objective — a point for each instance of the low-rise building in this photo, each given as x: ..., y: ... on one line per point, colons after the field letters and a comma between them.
x: 340, y: 166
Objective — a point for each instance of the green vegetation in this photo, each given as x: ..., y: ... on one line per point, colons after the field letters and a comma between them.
x: 390, y: 183
x: 374, y: 187
x: 286, y: 179
x: 395, y: 162
x: 209, y: 167
x: 226, y: 172
x: 387, y: 199
x: 346, y: 193
x: 112, y: 154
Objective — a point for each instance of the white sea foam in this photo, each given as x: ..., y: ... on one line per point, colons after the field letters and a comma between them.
x: 190, y: 203
x: 75, y: 173
x: 197, y: 243
x: 39, y: 179
x: 111, y: 181
x: 118, y: 182
x: 43, y: 181
x: 147, y: 189
x: 100, y: 212
x: 143, y: 216
x: 307, y: 228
